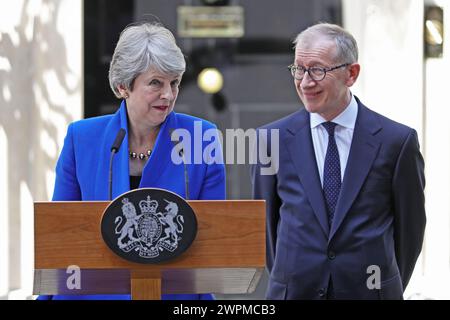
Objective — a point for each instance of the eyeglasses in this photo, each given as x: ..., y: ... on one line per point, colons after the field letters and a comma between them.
x: 315, y: 73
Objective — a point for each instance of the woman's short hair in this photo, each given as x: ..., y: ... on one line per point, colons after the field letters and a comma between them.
x: 347, y: 48
x: 141, y: 47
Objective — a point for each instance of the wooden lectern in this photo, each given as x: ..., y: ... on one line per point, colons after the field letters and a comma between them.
x: 227, y: 256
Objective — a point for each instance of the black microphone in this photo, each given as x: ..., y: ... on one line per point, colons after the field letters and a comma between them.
x: 181, y: 153
x: 114, y: 148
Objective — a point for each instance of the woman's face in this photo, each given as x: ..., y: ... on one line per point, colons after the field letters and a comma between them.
x: 152, y: 98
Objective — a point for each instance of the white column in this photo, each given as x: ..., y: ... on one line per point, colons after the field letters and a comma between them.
x: 389, y: 35
x: 40, y: 93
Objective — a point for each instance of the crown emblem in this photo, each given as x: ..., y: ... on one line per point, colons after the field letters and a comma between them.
x: 148, y: 206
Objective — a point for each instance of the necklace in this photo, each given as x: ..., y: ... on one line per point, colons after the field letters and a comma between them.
x: 141, y: 156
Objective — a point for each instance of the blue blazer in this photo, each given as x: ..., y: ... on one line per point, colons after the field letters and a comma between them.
x: 83, y: 167
x: 379, y: 219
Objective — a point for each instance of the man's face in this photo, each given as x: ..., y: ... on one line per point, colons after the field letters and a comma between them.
x: 330, y: 96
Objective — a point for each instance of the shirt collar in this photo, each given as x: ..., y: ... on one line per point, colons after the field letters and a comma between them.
x: 346, y: 118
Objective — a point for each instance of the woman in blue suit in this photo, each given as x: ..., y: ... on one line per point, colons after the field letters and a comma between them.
x: 145, y: 72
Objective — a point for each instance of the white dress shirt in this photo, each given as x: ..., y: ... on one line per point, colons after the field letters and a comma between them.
x: 343, y: 134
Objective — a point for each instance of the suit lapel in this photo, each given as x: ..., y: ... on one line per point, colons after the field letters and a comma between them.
x: 121, y: 165
x: 160, y: 160
x: 121, y: 181
x: 299, y: 144
x: 363, y: 151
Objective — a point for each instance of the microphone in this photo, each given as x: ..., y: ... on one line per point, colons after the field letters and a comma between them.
x: 114, y: 148
x: 181, y: 153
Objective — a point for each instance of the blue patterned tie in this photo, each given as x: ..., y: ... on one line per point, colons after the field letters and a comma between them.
x: 331, y: 172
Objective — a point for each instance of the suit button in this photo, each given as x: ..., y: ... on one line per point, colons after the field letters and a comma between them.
x: 322, y: 293
x: 331, y: 255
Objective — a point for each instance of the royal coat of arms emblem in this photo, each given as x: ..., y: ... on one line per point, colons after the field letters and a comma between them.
x: 149, y: 225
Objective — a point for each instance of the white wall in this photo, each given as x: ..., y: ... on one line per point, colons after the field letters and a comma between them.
x: 40, y: 93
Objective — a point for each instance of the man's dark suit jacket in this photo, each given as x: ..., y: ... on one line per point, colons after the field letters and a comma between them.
x: 379, y: 219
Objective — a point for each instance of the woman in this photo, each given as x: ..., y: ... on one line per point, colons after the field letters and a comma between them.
x: 145, y: 72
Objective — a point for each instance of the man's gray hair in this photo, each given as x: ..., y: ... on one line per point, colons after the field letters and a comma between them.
x: 347, y: 48
x: 141, y: 47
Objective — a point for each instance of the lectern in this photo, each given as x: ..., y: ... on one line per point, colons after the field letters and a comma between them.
x: 227, y: 255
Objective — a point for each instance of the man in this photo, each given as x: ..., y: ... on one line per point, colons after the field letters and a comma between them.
x: 345, y: 211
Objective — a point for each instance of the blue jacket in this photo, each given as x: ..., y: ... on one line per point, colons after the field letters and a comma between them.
x: 379, y: 220
x: 83, y: 167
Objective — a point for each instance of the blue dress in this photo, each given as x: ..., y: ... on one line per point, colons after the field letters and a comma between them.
x: 82, y: 169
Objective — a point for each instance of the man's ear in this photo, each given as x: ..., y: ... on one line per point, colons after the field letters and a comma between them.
x: 353, y: 73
